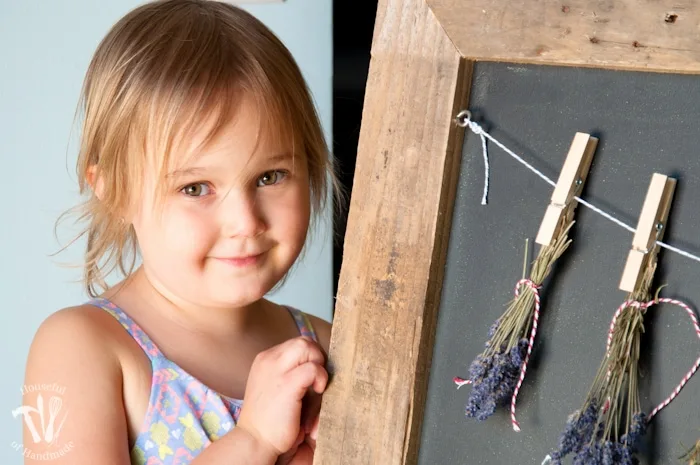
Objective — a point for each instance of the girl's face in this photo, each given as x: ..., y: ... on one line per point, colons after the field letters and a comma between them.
x: 234, y: 222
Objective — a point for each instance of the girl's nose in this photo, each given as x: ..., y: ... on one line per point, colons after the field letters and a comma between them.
x: 241, y: 216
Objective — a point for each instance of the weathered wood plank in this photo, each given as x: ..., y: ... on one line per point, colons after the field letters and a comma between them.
x: 395, y: 243
x: 651, y: 35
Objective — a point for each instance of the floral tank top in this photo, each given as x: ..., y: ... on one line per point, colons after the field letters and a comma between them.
x: 184, y: 416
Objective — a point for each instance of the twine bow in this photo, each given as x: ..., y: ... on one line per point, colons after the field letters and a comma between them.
x: 642, y: 306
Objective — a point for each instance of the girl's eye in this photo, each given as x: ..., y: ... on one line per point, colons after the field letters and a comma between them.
x: 270, y: 178
x: 195, y: 190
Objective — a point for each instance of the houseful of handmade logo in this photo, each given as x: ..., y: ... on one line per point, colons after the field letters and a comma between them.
x: 44, y: 419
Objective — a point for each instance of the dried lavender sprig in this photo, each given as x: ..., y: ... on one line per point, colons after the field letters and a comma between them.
x: 613, y: 397
x: 495, y: 372
x: 516, y: 322
x: 584, y: 440
x: 493, y: 380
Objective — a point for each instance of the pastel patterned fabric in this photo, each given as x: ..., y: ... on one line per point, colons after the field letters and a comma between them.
x: 184, y: 416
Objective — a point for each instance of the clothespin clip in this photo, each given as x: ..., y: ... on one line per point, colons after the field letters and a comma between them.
x: 650, y: 228
x: 571, y: 180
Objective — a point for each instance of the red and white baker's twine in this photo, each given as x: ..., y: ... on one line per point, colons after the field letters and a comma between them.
x: 535, y: 320
x: 644, y: 306
x: 523, y: 369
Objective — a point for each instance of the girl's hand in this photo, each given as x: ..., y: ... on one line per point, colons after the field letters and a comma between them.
x: 279, y: 380
x: 288, y: 457
x: 303, y: 451
x: 303, y: 455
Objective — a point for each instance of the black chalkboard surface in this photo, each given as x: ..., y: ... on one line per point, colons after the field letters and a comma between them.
x: 646, y: 123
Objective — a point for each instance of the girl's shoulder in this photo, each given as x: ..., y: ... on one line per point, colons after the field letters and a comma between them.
x: 82, y: 325
x: 76, y: 351
x: 85, y: 325
x: 82, y: 339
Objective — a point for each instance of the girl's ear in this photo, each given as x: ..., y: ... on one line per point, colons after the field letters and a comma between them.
x: 95, y: 182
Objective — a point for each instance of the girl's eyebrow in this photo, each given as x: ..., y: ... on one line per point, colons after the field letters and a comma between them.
x: 284, y: 156
x: 185, y: 171
x: 194, y: 170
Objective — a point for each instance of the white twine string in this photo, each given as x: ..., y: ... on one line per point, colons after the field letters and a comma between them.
x: 464, y: 120
x: 478, y: 130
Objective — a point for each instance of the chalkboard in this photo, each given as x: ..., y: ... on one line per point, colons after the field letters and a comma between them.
x: 646, y: 123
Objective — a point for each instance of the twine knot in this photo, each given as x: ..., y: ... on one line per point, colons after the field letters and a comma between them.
x: 527, y: 283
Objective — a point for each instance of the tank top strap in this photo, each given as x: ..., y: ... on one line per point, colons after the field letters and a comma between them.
x: 301, y: 319
x: 130, y: 326
x: 303, y: 322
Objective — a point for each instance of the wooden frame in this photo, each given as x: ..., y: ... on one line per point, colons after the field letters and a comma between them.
x: 406, y: 175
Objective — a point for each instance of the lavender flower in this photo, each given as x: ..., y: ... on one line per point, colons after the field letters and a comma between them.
x: 637, y: 429
x: 578, y: 432
x: 606, y: 453
x: 582, y: 438
x: 494, y: 378
x: 492, y: 331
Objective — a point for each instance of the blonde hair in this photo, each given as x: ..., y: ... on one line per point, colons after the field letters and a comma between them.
x: 159, y: 72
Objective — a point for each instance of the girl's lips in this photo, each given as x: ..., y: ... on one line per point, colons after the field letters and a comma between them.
x: 241, y: 261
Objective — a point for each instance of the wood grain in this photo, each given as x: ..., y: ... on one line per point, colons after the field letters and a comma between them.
x: 647, y: 35
x: 395, y: 243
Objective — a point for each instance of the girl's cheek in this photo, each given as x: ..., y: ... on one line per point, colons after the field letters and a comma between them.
x: 186, y: 227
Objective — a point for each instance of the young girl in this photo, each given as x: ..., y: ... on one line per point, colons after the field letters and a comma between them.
x: 201, y: 150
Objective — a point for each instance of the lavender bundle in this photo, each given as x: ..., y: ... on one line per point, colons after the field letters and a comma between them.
x: 498, y: 372
x: 606, y: 429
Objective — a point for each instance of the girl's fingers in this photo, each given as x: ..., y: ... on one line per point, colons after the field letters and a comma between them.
x: 299, y: 351
x: 305, y: 376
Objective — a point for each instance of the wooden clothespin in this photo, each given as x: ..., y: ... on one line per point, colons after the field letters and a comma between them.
x: 571, y: 180
x: 650, y: 228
